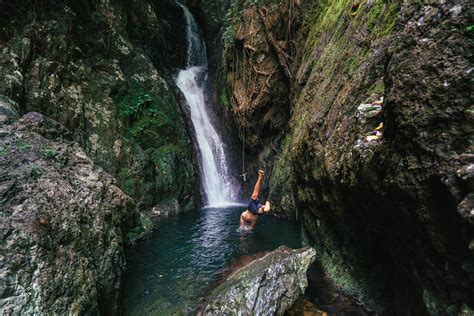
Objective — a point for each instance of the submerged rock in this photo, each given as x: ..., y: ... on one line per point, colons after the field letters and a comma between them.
x: 268, y: 285
x: 61, y: 225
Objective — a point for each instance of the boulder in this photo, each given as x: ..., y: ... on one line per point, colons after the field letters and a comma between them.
x: 8, y: 110
x: 61, y: 225
x: 266, y: 286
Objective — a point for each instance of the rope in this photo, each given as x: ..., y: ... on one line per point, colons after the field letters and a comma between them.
x: 244, y: 174
x: 243, y: 151
x: 244, y: 75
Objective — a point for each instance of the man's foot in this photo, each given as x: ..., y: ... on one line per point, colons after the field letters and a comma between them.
x: 261, y: 172
x: 266, y: 208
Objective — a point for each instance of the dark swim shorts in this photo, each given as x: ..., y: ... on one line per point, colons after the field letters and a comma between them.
x: 254, y: 206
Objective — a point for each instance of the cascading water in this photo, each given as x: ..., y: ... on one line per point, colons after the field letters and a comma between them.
x: 217, y: 182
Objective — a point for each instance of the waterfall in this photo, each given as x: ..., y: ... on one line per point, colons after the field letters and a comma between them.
x: 218, y: 185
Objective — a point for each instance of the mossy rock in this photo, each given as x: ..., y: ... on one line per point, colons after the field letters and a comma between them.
x: 144, y: 227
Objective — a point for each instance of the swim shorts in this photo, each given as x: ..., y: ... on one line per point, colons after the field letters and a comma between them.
x: 254, y: 206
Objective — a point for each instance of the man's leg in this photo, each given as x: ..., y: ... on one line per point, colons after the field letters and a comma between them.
x: 256, y: 189
x: 252, y: 223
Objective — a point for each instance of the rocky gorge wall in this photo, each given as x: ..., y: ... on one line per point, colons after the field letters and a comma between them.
x: 390, y: 216
x: 103, y: 70
x: 62, y: 223
x: 389, y: 213
x: 101, y: 142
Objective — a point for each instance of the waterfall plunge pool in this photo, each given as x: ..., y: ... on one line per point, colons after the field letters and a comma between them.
x: 172, y: 271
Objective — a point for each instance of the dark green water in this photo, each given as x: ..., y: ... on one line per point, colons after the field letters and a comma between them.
x: 171, y: 272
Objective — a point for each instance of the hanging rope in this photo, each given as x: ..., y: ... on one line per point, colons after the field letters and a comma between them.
x: 244, y: 174
x: 244, y: 76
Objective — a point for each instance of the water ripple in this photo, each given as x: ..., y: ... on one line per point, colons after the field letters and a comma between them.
x: 173, y: 270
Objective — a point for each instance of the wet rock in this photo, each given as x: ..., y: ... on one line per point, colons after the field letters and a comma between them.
x: 102, y: 70
x: 268, y: 285
x: 466, y: 208
x: 62, y: 223
x: 399, y: 197
x: 466, y: 173
x: 42, y: 125
x: 8, y: 110
x: 369, y: 110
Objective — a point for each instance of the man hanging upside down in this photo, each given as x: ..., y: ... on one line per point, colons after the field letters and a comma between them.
x: 255, y: 209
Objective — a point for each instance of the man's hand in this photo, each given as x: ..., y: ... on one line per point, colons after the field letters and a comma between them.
x: 261, y: 173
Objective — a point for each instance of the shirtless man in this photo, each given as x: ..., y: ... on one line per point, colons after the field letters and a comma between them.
x: 255, y: 209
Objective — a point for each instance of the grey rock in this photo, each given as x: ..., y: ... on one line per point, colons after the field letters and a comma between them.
x: 86, y: 78
x: 61, y: 221
x: 369, y: 110
x: 398, y: 197
x: 8, y: 110
x: 466, y: 208
x: 466, y: 173
x: 44, y: 126
x: 266, y: 286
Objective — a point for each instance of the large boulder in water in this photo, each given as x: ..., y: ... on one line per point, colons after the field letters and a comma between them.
x: 266, y: 286
x: 61, y: 224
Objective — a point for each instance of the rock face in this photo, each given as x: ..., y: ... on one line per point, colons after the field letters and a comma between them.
x: 62, y: 221
x: 266, y: 286
x: 390, y: 216
x: 103, y: 70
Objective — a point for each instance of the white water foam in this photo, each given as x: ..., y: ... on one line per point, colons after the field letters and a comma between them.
x: 218, y: 184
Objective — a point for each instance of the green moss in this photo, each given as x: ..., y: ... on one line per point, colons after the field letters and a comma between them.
x: 144, y: 227
x: 354, y: 63
x: 162, y: 155
x: 132, y: 105
x: 22, y: 146
x: 230, y: 25
x: 51, y: 153
x: 4, y: 150
x: 126, y: 180
x: 324, y: 16
x: 36, y: 171
x: 150, y: 119
x: 348, y: 45
x: 377, y: 88
x: 390, y: 19
x: 375, y: 13
x: 225, y: 99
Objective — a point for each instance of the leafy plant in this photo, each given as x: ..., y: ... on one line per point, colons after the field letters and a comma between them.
x: 131, y: 105
x: 230, y: 26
